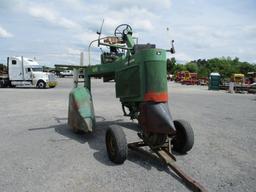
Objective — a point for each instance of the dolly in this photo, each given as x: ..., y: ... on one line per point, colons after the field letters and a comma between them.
x: 139, y: 72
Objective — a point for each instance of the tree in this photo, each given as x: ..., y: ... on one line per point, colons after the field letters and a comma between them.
x: 224, y: 65
x: 246, y: 67
x: 3, y: 68
x: 192, y: 67
x: 180, y: 67
x: 171, y: 65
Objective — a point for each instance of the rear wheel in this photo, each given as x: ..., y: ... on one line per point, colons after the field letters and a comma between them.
x: 116, y: 144
x: 1, y: 84
x: 184, y: 138
x: 41, y: 84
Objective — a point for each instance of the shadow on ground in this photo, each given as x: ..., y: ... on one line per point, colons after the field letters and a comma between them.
x: 96, y: 141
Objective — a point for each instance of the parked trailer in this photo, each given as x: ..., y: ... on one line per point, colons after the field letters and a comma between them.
x: 23, y: 71
x: 186, y: 78
x: 190, y: 79
x: 180, y: 75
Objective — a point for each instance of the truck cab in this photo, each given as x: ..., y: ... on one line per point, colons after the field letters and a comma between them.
x: 27, y: 72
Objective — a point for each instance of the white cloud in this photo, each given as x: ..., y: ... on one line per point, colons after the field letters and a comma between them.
x: 143, y: 25
x: 250, y: 30
x: 141, y: 20
x: 51, y: 16
x: 9, y: 4
x: 4, y: 33
x: 205, y: 37
x: 180, y: 56
x: 117, y: 5
x: 86, y: 37
x: 73, y: 51
x: 197, y: 32
x: 145, y: 4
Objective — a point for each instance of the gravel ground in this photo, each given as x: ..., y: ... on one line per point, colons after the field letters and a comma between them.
x: 38, y: 152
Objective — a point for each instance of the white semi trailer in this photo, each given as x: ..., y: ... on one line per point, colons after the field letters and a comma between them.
x: 23, y: 71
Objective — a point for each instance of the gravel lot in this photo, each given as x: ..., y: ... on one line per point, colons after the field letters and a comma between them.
x: 38, y: 152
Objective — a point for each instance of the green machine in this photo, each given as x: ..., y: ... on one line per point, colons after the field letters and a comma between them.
x: 139, y: 72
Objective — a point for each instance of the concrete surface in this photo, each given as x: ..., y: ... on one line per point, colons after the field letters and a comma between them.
x: 38, y: 152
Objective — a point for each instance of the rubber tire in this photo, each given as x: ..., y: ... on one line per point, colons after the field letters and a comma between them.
x: 116, y: 136
x: 41, y: 86
x: 3, y: 84
x: 184, y: 138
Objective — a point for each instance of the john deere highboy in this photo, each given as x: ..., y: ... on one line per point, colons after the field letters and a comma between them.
x: 139, y: 72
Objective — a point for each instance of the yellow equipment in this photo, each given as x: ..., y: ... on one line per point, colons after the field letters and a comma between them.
x: 238, y: 78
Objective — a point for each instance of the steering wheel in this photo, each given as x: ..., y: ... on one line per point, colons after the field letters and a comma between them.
x: 122, y: 29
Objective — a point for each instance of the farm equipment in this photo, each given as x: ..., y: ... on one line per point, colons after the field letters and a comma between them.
x: 203, y: 81
x: 186, y: 78
x: 238, y: 79
x: 139, y: 72
x: 190, y: 79
x: 180, y: 75
x: 251, y: 77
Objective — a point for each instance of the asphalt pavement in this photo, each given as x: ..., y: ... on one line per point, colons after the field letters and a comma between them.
x: 38, y: 152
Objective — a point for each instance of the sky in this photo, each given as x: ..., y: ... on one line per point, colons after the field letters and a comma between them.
x: 55, y: 32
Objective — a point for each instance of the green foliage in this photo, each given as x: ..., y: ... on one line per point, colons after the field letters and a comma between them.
x: 180, y: 67
x: 247, y: 67
x: 192, y: 67
x: 3, y: 67
x: 48, y: 69
x: 226, y: 66
x: 171, y: 65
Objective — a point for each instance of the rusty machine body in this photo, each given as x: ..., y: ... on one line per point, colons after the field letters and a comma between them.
x: 139, y: 72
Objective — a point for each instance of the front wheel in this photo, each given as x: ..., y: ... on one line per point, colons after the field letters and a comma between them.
x: 116, y: 144
x: 183, y: 141
x: 41, y: 84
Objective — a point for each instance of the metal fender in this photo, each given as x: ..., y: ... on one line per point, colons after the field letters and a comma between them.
x: 80, y: 111
x: 156, y: 118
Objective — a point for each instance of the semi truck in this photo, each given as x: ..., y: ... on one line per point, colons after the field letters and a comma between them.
x: 22, y: 71
x: 66, y: 73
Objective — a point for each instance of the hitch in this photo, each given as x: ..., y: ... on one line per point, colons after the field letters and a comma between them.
x: 169, y: 159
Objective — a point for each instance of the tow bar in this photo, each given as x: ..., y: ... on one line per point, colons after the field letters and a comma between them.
x: 164, y: 155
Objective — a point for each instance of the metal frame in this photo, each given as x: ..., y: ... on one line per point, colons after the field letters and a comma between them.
x: 168, y: 158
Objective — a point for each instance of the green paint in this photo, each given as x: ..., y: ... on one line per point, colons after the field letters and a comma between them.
x: 94, y: 69
x: 214, y: 82
x: 140, y: 70
x: 81, y: 112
